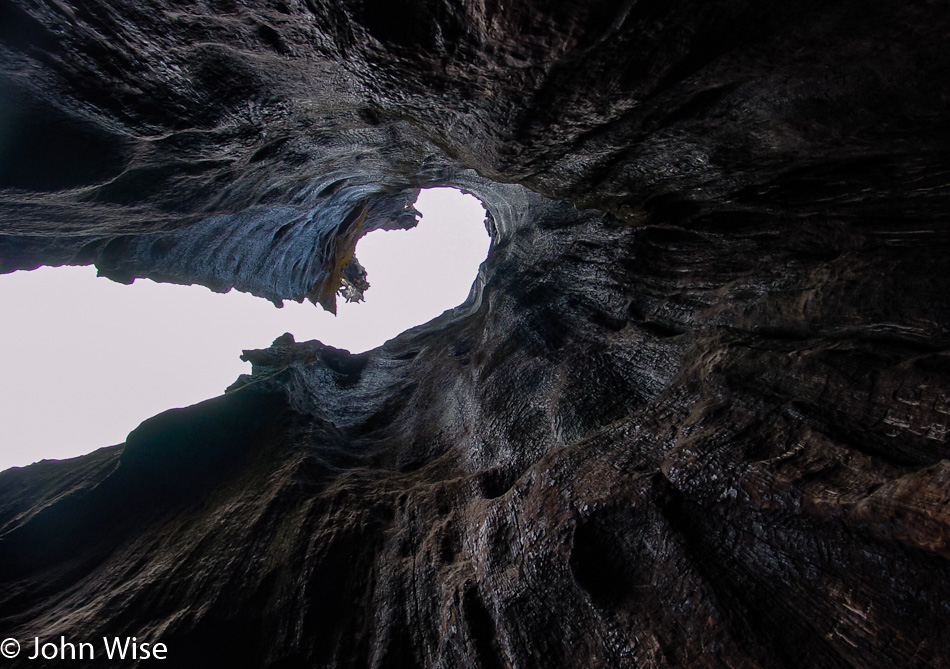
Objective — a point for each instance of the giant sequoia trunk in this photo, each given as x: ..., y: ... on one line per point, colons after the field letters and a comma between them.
x: 693, y: 414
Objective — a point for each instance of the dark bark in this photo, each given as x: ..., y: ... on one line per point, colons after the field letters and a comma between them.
x: 694, y: 413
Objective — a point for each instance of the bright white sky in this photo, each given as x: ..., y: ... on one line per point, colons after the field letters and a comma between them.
x: 87, y: 359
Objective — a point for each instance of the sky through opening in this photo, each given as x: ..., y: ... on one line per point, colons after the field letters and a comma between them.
x: 88, y: 359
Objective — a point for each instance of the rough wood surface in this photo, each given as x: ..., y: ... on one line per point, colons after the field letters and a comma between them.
x: 695, y: 412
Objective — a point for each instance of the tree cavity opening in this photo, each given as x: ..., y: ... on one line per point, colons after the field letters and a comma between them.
x: 409, y: 277
x: 93, y: 358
